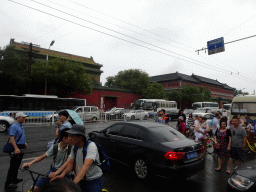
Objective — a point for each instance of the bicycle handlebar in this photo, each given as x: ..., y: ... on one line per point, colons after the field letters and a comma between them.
x: 39, y: 174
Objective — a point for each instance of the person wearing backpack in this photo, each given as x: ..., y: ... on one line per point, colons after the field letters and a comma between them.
x: 88, y: 173
x: 59, y: 151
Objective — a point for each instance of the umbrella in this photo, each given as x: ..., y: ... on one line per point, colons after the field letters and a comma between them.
x: 75, y: 117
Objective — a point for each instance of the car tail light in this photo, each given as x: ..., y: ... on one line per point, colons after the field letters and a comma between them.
x: 202, y: 149
x: 174, y: 155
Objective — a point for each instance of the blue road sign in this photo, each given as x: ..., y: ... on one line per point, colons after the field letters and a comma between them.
x: 215, y: 46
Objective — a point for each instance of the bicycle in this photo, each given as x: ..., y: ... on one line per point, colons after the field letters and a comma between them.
x: 210, y: 146
x: 33, y: 178
x: 253, y: 149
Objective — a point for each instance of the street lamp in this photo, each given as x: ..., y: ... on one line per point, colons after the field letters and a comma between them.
x: 45, y: 85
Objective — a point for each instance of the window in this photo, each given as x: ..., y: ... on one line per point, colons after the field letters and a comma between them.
x: 166, y: 134
x: 87, y: 109
x: 130, y: 131
x: 94, y: 109
x: 114, y: 130
x: 242, y: 108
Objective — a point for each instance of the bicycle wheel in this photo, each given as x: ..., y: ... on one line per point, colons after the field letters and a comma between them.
x: 210, y: 147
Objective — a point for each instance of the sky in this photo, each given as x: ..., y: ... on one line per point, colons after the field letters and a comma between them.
x: 155, y: 36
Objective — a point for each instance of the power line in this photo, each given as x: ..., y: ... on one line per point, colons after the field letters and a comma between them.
x: 120, y: 38
x: 131, y: 24
x: 127, y: 35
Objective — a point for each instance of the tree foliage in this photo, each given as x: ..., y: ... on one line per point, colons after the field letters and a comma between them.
x: 154, y: 91
x: 190, y: 94
x: 14, y: 72
x: 133, y: 79
x: 62, y: 76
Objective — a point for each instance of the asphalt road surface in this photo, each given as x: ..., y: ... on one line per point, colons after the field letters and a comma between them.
x: 121, y: 178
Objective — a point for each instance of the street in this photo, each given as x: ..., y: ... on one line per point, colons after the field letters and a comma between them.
x: 120, y: 178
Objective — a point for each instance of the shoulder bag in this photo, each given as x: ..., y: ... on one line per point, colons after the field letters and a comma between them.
x: 8, y: 148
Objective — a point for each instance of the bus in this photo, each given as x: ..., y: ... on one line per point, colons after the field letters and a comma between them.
x: 205, y: 105
x: 155, y: 105
x: 244, y: 104
x: 226, y: 106
x: 36, y: 106
x: 138, y: 104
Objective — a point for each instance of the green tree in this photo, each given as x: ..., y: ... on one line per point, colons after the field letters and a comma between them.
x: 190, y: 94
x: 62, y: 76
x: 133, y: 79
x: 14, y: 74
x: 154, y: 91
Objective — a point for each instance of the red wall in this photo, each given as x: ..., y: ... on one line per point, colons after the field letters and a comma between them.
x: 123, y: 100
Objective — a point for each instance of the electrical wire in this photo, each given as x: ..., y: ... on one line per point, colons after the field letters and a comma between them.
x: 212, y: 68
x: 128, y: 36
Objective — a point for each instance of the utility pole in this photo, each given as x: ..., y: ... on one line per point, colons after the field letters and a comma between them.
x: 31, y: 52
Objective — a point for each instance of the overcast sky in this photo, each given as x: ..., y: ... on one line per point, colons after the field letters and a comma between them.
x: 156, y: 36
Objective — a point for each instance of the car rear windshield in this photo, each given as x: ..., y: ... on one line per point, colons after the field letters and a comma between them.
x: 166, y: 134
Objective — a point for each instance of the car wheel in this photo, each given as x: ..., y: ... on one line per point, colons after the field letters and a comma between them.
x: 94, y: 119
x: 141, y: 169
x: 146, y: 117
x: 3, y: 126
x: 133, y: 117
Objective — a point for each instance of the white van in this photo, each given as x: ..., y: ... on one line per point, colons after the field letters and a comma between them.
x: 87, y: 113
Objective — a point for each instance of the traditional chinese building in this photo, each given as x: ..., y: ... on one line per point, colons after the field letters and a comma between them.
x: 220, y: 92
x: 102, y: 97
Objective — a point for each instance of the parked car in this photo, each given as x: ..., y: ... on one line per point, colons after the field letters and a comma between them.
x: 151, y: 148
x: 136, y: 114
x: 5, y: 122
x: 114, y: 113
x: 243, y: 178
x: 87, y: 113
x: 49, y: 117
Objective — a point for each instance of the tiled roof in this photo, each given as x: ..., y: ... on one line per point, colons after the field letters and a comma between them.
x: 207, y: 80
x: 192, y: 78
x: 173, y: 76
x: 52, y: 53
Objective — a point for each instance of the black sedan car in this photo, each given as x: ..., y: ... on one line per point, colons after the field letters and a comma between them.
x: 243, y: 178
x: 151, y: 148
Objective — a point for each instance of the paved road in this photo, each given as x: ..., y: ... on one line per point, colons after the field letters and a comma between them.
x: 119, y: 179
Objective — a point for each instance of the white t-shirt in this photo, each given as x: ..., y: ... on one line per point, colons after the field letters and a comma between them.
x: 215, y: 125
x: 94, y: 171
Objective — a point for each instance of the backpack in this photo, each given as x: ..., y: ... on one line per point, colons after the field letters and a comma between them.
x: 55, y: 152
x: 104, y: 160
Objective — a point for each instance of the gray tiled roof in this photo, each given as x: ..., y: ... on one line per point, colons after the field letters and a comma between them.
x: 192, y: 78
x: 173, y: 76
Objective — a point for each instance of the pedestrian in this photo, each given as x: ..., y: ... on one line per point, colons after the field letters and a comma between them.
x: 162, y: 117
x: 205, y: 132
x: 216, y: 123
x: 18, y: 141
x: 240, y: 121
x: 88, y: 175
x: 61, y: 185
x: 223, y: 139
x: 250, y: 132
x: 59, y: 152
x: 181, y: 113
x: 182, y: 126
x: 198, y: 129
x: 239, y: 138
x: 62, y: 123
x: 247, y: 118
x: 190, y: 124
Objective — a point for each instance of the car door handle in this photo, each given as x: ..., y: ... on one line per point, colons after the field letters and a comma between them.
x: 112, y: 141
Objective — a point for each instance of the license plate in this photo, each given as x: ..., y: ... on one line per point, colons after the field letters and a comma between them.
x: 191, y: 155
